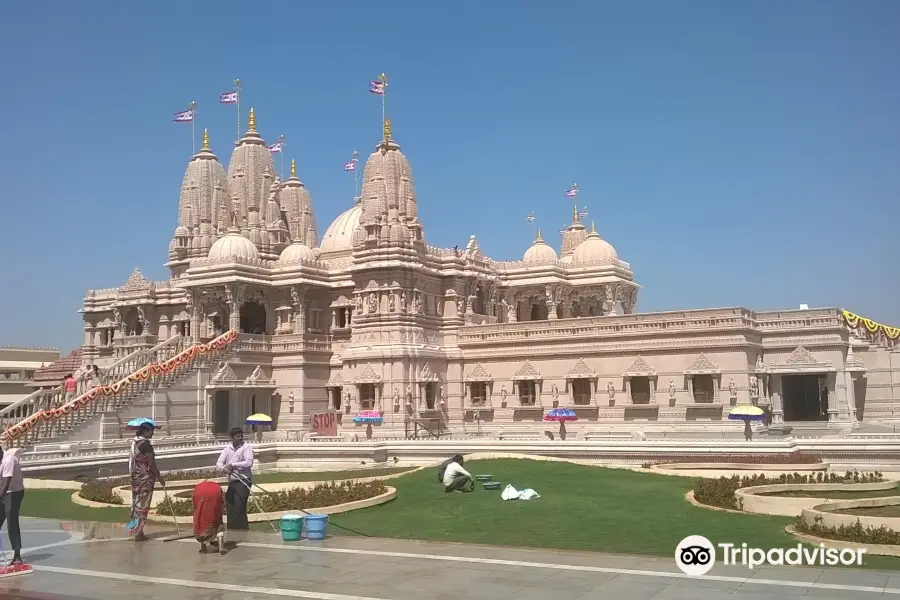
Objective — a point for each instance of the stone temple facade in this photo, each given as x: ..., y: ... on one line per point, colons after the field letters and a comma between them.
x: 369, y: 316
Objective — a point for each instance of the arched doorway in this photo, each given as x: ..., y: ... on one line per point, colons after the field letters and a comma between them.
x: 253, y: 317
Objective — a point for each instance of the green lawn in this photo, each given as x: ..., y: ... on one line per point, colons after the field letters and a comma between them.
x: 837, y: 494
x: 57, y: 504
x: 581, y: 508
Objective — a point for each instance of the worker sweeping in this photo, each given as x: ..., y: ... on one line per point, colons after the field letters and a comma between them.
x: 236, y: 461
x: 209, y: 505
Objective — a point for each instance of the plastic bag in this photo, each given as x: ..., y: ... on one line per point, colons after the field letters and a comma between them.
x: 509, y: 493
x: 528, y: 494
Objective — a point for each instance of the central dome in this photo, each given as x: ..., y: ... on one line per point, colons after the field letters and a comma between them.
x: 297, y: 252
x: 339, y: 235
x: 233, y: 245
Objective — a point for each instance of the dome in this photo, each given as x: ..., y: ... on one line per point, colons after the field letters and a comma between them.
x: 539, y: 251
x: 339, y: 235
x: 296, y: 252
x: 233, y: 245
x: 594, y: 248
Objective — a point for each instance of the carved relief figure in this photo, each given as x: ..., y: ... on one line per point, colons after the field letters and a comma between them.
x: 439, y: 305
x: 392, y: 302
x: 373, y: 302
x: 554, y: 391
x: 403, y: 301
x: 732, y: 388
x: 357, y: 300
x: 396, y: 397
x: 759, y: 361
x: 460, y: 306
x: 754, y: 386
x: 611, y: 389
x: 671, y: 389
x: 295, y: 297
x: 417, y: 303
x: 503, y: 392
x: 291, y: 402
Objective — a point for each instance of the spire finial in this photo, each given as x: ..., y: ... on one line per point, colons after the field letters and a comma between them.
x: 593, y: 227
x: 205, y: 140
x: 387, y: 130
x: 539, y: 238
x: 293, y: 168
x: 575, y: 213
x: 251, y: 126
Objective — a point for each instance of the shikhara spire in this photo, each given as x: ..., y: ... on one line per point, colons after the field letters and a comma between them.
x: 205, y: 140
x: 251, y: 123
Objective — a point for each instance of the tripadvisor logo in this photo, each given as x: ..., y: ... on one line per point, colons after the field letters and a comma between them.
x: 695, y: 555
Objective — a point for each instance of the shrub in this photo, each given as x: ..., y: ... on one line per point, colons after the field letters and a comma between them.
x: 324, y: 494
x: 849, y: 533
x: 720, y: 492
x: 98, y: 490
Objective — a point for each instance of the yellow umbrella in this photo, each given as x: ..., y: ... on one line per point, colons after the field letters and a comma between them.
x: 258, y: 419
x: 747, y: 412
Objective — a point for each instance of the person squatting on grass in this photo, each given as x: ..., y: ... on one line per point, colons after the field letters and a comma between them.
x: 457, y: 478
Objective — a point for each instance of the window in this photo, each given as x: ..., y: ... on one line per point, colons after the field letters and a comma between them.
x: 335, y: 394
x: 581, y: 391
x: 429, y: 395
x: 367, y: 396
x: 478, y: 393
x: 527, y: 392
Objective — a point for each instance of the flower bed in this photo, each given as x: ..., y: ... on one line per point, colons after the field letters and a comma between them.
x: 721, y: 492
x: 100, y: 490
x: 324, y: 494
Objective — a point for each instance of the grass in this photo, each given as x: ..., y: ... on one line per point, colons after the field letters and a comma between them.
x: 57, y: 504
x: 581, y: 508
x: 872, y: 511
x: 837, y: 494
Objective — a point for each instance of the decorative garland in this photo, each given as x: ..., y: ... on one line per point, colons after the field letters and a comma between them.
x: 143, y: 374
x: 854, y: 321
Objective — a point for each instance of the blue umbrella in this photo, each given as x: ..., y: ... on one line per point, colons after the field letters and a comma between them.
x: 136, y: 423
x: 747, y: 412
x: 368, y: 416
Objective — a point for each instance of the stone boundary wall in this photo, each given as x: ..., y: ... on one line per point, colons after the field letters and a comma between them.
x: 753, y: 499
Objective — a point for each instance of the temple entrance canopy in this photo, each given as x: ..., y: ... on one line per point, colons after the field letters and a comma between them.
x: 805, y: 397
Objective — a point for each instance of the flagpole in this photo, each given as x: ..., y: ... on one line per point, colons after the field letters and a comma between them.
x: 193, y: 127
x: 383, y: 79
x: 281, y: 141
x: 237, y: 92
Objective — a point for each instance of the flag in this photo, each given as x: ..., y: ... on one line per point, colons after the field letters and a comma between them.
x: 583, y: 212
x: 275, y: 148
x: 377, y: 87
x: 185, y: 116
x: 572, y: 191
x: 531, y: 218
x: 228, y: 98
x: 350, y: 166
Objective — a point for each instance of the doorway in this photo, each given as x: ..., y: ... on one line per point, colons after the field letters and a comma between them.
x: 221, y: 412
x: 805, y: 397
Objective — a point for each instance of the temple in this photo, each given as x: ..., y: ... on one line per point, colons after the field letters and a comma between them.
x: 368, y: 316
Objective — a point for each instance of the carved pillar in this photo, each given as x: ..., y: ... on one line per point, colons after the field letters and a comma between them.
x: 378, y: 406
x: 777, y: 401
x: 628, y: 397
x: 851, y: 396
x: 193, y: 310
x: 716, y: 384
x: 690, y: 386
x: 837, y: 399
x: 652, y: 390
x: 511, y: 311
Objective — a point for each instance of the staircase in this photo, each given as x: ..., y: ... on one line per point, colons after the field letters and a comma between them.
x: 44, y: 416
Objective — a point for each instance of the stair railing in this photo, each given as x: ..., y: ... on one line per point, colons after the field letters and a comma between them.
x: 43, y: 399
x: 158, y: 366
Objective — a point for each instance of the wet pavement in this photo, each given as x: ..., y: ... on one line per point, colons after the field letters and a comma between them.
x: 79, y: 561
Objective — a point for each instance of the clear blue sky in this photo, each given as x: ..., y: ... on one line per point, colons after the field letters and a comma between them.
x: 736, y: 153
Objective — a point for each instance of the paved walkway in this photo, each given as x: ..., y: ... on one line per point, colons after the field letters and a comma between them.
x: 80, y: 561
